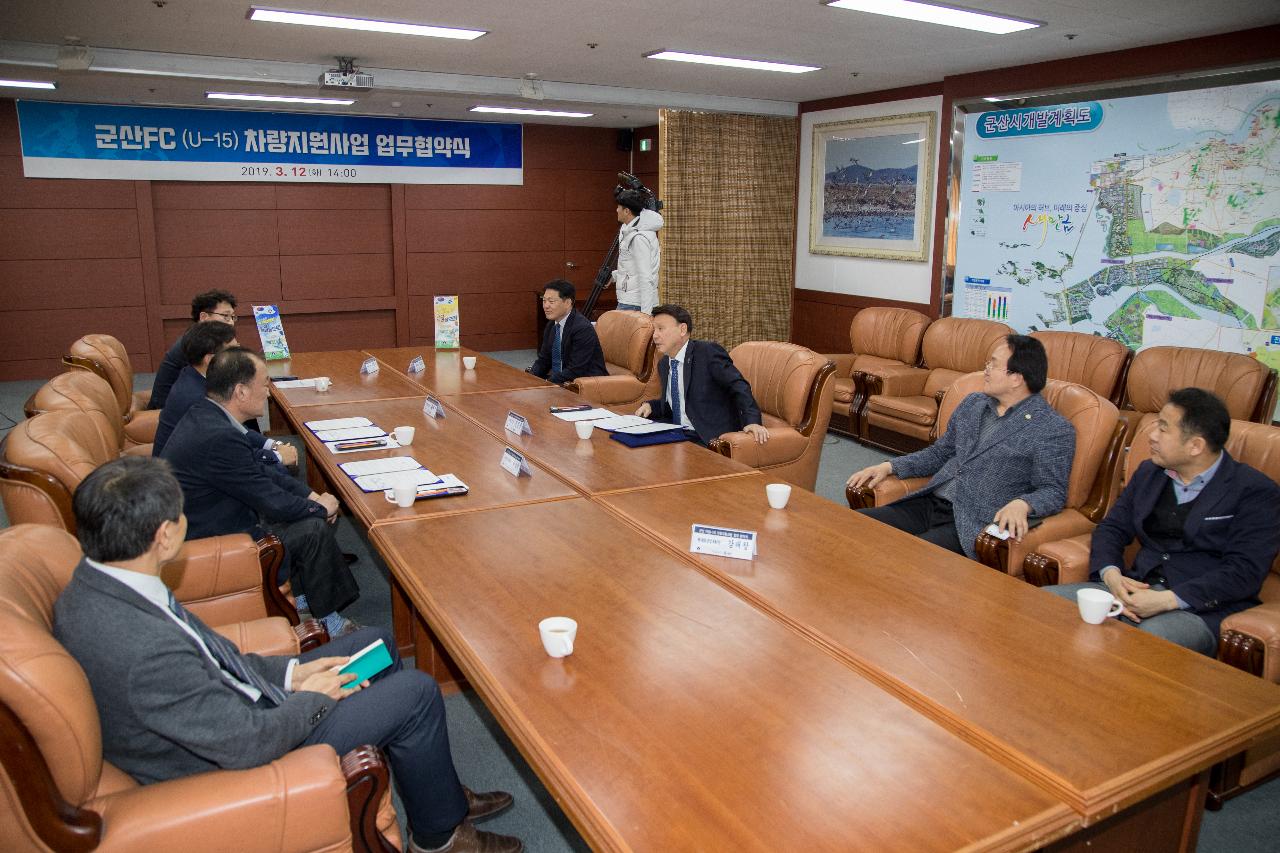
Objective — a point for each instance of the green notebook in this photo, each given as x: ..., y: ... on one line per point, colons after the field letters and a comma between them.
x: 368, y: 662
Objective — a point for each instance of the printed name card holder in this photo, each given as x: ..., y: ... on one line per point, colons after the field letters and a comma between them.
x: 518, y: 424
x: 417, y: 365
x: 723, y: 542
x: 515, y: 464
x: 433, y: 408
x: 370, y: 366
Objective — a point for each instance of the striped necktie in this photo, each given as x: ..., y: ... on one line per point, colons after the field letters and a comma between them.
x: 227, y: 655
x: 674, y: 386
x: 557, y: 357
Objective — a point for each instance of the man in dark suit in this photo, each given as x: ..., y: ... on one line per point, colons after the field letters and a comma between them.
x: 230, y: 488
x: 174, y: 698
x: 702, y: 390
x: 1004, y: 459
x: 212, y: 305
x: 1206, y: 525
x: 570, y: 347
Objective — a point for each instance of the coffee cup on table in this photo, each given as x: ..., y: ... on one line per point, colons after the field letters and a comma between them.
x: 403, y: 493
x: 778, y: 494
x: 404, y: 435
x: 469, y: 362
x: 322, y: 383
x: 558, y: 633
x: 584, y: 429
x: 1097, y: 605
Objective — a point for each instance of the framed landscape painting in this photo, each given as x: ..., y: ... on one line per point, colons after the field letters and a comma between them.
x: 873, y: 187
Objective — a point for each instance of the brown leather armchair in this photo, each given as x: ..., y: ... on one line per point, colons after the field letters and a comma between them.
x: 1246, y: 385
x: 1098, y: 363
x: 792, y: 386
x: 878, y: 338
x: 59, y: 793
x: 1098, y: 436
x: 629, y: 355
x: 903, y: 416
x: 106, y: 356
x: 82, y: 391
x: 1248, y: 640
x: 222, y: 579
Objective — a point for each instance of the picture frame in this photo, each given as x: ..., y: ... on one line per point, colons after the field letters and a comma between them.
x: 872, y: 187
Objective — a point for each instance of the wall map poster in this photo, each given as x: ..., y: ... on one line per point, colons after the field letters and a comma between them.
x: 1152, y: 219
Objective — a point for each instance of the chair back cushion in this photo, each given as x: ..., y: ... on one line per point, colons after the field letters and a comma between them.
x: 626, y: 338
x: 1238, y: 379
x: 82, y: 391
x: 961, y: 387
x: 781, y: 376
x: 39, y: 681
x: 66, y: 446
x: 113, y: 359
x: 1089, y: 360
x: 890, y: 333
x: 961, y: 344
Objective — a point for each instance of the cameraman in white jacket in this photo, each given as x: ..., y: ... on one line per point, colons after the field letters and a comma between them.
x: 638, y: 254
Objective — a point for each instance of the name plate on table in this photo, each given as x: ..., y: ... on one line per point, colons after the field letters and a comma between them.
x: 433, y: 408
x: 370, y: 366
x: 515, y: 464
x: 518, y: 424
x: 723, y: 542
x: 417, y: 365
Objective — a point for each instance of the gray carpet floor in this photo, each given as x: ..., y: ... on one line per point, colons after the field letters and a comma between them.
x: 487, y: 759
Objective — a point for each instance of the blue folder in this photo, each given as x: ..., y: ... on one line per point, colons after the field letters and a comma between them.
x: 666, y: 437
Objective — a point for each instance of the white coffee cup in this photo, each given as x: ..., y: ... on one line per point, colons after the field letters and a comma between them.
x: 469, y: 362
x: 322, y: 383
x: 584, y: 428
x: 1097, y: 605
x: 778, y: 494
x: 404, y: 493
x: 404, y: 435
x: 557, y: 635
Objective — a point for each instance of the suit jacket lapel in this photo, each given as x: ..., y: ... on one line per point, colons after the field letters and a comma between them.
x: 109, y: 586
x: 1005, y: 428
x: 685, y: 372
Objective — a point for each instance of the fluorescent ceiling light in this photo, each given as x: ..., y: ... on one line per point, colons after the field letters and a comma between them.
x: 914, y: 141
x: 946, y: 15
x: 523, y: 112
x: 998, y: 100
x: 29, y: 84
x: 309, y: 19
x: 755, y: 64
x: 278, y: 99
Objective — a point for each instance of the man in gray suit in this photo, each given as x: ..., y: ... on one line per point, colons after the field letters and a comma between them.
x: 1004, y: 459
x: 175, y: 698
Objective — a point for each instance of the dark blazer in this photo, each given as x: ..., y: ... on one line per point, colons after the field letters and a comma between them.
x: 227, y: 486
x: 185, y: 393
x: 167, y: 373
x: 1027, y: 455
x: 580, y: 352
x: 1229, y: 541
x: 166, y: 709
x: 716, y: 396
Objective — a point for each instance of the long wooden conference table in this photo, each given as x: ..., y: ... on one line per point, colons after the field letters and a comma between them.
x: 851, y: 687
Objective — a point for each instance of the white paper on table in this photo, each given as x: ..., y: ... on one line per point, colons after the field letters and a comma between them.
x: 645, y: 429
x: 389, y: 443
x: 388, y: 465
x: 620, y: 421
x: 588, y: 415
x: 338, y: 423
x: 383, y: 482
x: 295, y: 383
x: 350, y: 433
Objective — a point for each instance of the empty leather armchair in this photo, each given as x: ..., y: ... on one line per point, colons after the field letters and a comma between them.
x: 1098, y: 435
x: 1246, y: 385
x: 792, y: 386
x: 904, y: 415
x: 107, y: 357
x: 627, y: 340
x: 1099, y: 364
x: 878, y: 338
x: 59, y: 793
x: 82, y: 391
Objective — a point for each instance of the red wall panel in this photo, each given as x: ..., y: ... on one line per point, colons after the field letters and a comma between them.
x: 335, y: 276
x: 485, y: 230
x: 58, y: 234
x: 216, y: 233
x: 90, y: 283
x: 334, y: 232
x: 30, y: 193
x: 446, y: 273
x: 255, y: 278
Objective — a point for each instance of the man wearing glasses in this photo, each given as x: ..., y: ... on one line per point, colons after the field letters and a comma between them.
x: 570, y: 348
x: 211, y: 305
x: 1004, y: 459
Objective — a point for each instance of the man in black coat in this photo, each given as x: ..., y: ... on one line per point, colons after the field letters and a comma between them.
x: 570, y: 347
x: 230, y: 488
x: 216, y: 305
x: 711, y: 396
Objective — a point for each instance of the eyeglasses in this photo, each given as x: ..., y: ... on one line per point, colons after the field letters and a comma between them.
x: 229, y: 316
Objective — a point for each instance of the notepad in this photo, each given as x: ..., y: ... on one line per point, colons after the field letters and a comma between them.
x: 338, y: 423
x: 294, y: 383
x: 383, y: 482
x: 388, y: 465
x: 367, y: 662
x: 645, y: 429
x: 361, y: 445
x: 350, y: 433
x: 619, y: 421
x: 584, y: 415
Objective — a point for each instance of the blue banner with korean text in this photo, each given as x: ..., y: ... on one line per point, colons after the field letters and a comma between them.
x: 168, y: 143
x: 1033, y: 121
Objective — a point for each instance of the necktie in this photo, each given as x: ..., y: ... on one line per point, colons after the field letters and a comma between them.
x: 557, y: 359
x: 674, y: 386
x: 226, y: 654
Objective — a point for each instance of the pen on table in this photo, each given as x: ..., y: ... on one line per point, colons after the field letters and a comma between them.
x: 361, y: 443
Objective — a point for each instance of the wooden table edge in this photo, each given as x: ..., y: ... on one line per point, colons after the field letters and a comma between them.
x: 383, y: 522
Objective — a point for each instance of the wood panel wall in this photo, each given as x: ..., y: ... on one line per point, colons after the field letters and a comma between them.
x: 349, y: 265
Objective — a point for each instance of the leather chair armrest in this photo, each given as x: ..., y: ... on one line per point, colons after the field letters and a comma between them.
x: 902, y: 381
x: 843, y: 362
x: 140, y: 427
x: 219, y: 578
x: 296, y: 803
x: 1009, y: 556
x: 785, y: 445
x: 1061, y: 561
x: 270, y: 636
x: 141, y: 399
x: 608, y: 390
x: 889, y: 490
x: 1250, y: 640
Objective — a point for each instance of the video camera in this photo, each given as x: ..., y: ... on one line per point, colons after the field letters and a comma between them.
x: 629, y: 183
